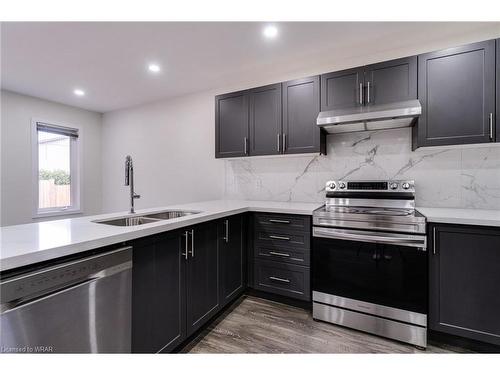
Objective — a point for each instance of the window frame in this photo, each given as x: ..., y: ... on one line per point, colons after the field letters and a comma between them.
x: 75, y: 172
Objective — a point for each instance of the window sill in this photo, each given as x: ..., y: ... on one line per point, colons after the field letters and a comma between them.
x: 72, y: 211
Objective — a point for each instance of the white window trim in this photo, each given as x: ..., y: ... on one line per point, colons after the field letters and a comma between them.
x: 75, y: 168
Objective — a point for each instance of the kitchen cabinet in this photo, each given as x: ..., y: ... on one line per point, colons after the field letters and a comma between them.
x: 269, y: 120
x: 342, y: 89
x: 301, y: 103
x: 265, y: 120
x: 464, y: 280
x: 232, y: 258
x: 497, y: 117
x: 232, y: 124
x: 381, y: 83
x: 158, y: 293
x: 281, y: 251
x: 202, y: 274
x: 391, y: 81
x: 456, y: 88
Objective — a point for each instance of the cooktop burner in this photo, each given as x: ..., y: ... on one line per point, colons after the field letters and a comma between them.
x: 388, y: 211
x: 343, y: 209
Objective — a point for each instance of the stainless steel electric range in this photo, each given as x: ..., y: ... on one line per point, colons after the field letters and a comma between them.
x: 369, y: 260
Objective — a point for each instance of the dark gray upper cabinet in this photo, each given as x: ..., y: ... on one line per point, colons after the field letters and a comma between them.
x: 301, y: 104
x: 265, y: 120
x: 232, y: 258
x: 463, y: 292
x: 202, y: 275
x: 456, y: 88
x: 497, y: 117
x: 391, y: 81
x: 342, y: 89
x: 232, y: 124
x: 158, y: 294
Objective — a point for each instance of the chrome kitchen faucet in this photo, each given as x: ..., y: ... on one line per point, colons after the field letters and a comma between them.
x: 129, y: 181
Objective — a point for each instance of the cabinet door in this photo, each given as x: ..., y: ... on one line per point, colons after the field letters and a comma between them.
x: 342, y: 89
x: 158, y: 294
x: 391, y: 81
x: 456, y: 88
x: 300, y: 110
x: 497, y: 117
x: 202, y: 275
x: 265, y: 120
x: 231, y: 124
x: 464, y: 281
x: 231, y: 258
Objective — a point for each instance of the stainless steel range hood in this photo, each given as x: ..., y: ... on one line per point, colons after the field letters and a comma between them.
x: 370, y: 117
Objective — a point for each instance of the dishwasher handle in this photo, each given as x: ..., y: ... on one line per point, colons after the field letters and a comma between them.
x: 31, y: 286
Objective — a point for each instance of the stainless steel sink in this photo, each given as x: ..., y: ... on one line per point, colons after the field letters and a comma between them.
x: 146, y: 219
x: 165, y: 215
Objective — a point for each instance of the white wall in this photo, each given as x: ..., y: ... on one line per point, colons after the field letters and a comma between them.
x: 16, y: 177
x: 172, y: 146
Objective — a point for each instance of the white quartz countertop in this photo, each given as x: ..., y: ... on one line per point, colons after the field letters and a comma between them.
x: 26, y: 244
x: 465, y: 216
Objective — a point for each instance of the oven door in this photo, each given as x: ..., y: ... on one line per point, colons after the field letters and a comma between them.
x: 387, y: 269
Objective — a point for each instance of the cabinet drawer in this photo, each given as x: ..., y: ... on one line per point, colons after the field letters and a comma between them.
x: 284, y: 222
x: 265, y: 236
x: 281, y: 278
x: 283, y: 254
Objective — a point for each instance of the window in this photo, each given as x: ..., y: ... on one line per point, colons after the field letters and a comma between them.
x: 55, y: 169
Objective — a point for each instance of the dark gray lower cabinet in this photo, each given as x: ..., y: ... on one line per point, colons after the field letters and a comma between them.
x: 281, y: 254
x: 232, y: 258
x: 202, y: 275
x: 456, y: 88
x: 464, y: 296
x: 158, y: 294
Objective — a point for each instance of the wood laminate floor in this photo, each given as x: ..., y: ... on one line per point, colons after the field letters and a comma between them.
x: 255, y: 325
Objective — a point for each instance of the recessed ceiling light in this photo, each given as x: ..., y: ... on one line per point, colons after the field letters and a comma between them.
x: 270, y: 31
x: 79, y: 92
x: 155, y: 68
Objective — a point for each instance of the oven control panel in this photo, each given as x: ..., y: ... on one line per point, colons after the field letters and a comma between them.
x: 396, y: 186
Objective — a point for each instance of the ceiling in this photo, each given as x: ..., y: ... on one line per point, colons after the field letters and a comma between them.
x: 109, y: 60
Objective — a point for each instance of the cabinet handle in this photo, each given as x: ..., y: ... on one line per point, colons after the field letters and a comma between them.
x: 192, y: 243
x: 245, y: 145
x: 279, y: 221
x: 279, y: 279
x: 278, y: 144
x: 491, y: 126
x: 226, y: 224
x: 368, y: 92
x: 284, y: 142
x: 279, y: 254
x: 434, y: 240
x: 186, y: 244
x: 361, y: 93
x: 279, y: 237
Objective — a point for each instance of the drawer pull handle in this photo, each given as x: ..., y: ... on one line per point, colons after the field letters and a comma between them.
x: 279, y: 254
x: 279, y: 238
x: 279, y: 279
x: 279, y: 221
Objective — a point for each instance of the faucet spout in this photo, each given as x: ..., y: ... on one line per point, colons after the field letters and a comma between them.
x: 129, y: 181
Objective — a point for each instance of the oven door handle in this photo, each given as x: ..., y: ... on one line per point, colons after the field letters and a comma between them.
x: 377, y: 237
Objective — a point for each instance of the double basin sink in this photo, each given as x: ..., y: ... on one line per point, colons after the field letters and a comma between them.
x: 146, y: 218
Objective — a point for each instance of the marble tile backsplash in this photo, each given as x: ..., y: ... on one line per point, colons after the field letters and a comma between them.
x: 445, y: 177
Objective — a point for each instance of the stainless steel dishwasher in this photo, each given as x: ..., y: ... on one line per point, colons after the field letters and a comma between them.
x: 80, y: 306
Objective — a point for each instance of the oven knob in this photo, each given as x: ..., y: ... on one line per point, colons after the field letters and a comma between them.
x: 342, y: 185
x: 331, y: 185
x: 406, y: 185
x: 393, y: 185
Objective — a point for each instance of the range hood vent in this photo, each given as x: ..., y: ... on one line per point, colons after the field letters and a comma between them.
x: 370, y: 117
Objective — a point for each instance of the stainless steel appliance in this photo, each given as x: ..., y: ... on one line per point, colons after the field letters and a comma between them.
x: 369, y: 259
x: 79, y: 306
x: 371, y: 117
